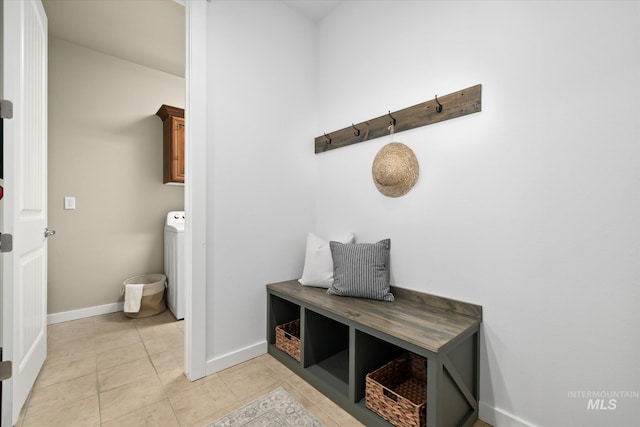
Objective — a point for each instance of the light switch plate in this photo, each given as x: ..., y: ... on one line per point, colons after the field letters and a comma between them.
x: 69, y: 202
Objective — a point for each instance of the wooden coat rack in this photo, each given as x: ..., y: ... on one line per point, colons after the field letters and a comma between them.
x: 457, y: 104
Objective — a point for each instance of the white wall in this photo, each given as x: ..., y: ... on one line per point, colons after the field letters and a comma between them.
x: 260, y: 190
x: 530, y: 208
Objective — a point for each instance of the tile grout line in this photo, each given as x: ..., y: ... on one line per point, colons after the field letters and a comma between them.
x: 155, y: 368
x: 156, y: 339
x: 96, y: 384
x: 148, y: 356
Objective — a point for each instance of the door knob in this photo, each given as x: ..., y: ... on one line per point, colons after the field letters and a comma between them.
x: 48, y: 232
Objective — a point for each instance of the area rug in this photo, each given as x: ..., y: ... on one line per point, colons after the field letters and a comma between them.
x: 276, y: 409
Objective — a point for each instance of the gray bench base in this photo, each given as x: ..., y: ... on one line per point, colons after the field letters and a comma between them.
x: 342, y: 339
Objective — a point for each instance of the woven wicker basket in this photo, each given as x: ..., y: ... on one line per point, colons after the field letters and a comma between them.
x: 398, y: 391
x: 288, y: 338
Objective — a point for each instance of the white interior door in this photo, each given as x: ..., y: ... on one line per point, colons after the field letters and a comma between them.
x: 24, y: 281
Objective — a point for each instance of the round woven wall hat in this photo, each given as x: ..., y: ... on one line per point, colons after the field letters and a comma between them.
x: 395, y: 169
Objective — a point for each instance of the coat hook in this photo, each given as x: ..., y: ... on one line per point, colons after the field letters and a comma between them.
x: 393, y: 120
x: 328, y: 138
x: 439, y: 107
x: 357, y: 132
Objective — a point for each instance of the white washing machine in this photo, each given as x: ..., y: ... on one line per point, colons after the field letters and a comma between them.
x: 174, y: 262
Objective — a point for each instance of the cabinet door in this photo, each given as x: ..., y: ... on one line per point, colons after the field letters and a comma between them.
x: 177, y: 149
x: 173, y: 141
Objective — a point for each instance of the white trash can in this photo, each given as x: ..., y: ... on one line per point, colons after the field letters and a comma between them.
x: 152, y: 301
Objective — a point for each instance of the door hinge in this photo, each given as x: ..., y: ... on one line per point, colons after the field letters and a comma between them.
x: 6, y: 242
x: 5, y: 370
x: 6, y: 109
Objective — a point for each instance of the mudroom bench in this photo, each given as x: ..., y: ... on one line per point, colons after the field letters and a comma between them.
x: 342, y: 339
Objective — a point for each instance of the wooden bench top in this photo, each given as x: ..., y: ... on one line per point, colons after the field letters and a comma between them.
x: 425, y: 320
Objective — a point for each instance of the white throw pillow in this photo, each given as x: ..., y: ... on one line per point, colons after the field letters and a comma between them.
x: 318, y: 263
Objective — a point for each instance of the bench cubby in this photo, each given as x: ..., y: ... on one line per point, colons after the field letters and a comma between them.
x: 327, y: 354
x: 343, y: 339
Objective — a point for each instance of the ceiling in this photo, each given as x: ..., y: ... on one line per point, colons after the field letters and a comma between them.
x: 315, y: 10
x: 146, y: 32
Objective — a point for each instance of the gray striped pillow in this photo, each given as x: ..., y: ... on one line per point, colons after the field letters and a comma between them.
x: 361, y: 270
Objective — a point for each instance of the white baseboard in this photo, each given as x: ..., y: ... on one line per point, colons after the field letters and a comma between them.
x: 81, y: 313
x: 499, y: 418
x: 230, y: 359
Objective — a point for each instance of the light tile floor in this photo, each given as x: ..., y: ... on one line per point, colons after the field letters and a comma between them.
x: 110, y: 370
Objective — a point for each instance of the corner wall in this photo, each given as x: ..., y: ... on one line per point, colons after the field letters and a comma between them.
x: 261, y: 166
x: 530, y: 208
x: 105, y: 148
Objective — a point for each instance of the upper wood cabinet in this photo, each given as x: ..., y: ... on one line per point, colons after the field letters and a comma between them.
x: 173, y: 140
